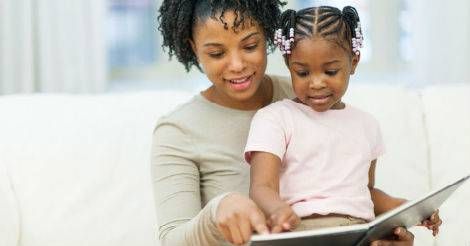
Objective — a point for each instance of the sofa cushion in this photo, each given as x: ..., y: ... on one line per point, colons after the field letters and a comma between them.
x: 400, y: 114
x: 79, y: 166
x: 447, y: 110
x: 403, y: 170
x: 9, y: 222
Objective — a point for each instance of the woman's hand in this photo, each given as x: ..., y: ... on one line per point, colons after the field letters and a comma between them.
x: 433, y: 223
x: 282, y: 219
x: 402, y: 237
x: 237, y: 217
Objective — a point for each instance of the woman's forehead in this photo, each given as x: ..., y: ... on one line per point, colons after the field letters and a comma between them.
x: 225, y: 27
x: 228, y: 19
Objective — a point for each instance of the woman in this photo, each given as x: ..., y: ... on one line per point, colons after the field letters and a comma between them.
x: 200, y: 179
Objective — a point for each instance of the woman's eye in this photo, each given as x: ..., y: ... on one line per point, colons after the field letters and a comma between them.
x: 302, y: 73
x: 216, y: 54
x: 251, y: 47
x: 331, y: 72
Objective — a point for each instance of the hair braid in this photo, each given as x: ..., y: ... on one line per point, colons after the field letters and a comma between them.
x: 326, y: 22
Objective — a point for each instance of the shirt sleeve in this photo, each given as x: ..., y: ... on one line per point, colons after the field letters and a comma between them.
x: 378, y: 145
x: 267, y: 134
x: 175, y: 176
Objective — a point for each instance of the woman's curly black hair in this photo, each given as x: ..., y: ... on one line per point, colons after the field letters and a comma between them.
x: 177, y: 17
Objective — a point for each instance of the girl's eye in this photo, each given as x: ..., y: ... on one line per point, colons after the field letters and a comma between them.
x: 331, y: 72
x: 302, y: 73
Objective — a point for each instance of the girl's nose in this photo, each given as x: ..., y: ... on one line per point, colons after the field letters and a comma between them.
x: 316, y: 82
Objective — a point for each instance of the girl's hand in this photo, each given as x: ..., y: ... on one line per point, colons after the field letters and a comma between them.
x: 433, y: 223
x: 236, y: 218
x: 402, y: 237
x: 283, y: 219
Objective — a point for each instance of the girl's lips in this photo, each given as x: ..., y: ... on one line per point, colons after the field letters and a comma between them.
x: 319, y: 99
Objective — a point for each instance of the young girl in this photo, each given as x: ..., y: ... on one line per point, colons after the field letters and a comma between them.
x: 314, y: 157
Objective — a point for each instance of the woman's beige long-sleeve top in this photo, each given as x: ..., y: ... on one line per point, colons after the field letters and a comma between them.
x: 197, y: 157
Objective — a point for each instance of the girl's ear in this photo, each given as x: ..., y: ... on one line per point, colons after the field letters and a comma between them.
x: 354, y: 62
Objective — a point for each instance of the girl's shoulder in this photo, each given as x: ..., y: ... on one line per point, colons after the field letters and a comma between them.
x: 362, y: 115
x: 279, y: 109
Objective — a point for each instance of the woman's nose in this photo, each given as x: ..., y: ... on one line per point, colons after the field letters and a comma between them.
x: 236, y: 63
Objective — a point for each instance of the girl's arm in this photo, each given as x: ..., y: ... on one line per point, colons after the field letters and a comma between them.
x: 382, y: 201
x: 264, y: 183
x: 264, y: 190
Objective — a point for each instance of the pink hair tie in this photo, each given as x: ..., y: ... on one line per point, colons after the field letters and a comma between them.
x: 358, y: 41
x: 283, y: 42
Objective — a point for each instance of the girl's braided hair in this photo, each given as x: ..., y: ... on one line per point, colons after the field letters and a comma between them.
x: 325, y: 21
x: 178, y: 17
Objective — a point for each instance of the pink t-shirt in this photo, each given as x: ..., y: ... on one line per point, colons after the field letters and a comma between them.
x: 325, y: 156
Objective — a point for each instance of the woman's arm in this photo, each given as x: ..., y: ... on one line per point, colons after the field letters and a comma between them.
x: 264, y: 190
x: 175, y: 177
x: 228, y: 217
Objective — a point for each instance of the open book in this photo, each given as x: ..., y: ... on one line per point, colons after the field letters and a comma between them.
x: 406, y: 215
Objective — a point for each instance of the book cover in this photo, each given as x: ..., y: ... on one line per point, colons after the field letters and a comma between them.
x: 406, y: 215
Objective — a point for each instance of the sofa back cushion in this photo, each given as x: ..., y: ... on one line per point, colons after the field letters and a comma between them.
x: 400, y: 114
x: 79, y: 166
x: 404, y: 169
x: 447, y: 109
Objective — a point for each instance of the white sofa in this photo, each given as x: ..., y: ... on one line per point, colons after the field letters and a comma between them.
x: 74, y: 169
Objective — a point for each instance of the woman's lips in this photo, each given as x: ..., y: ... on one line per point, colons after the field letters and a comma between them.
x: 241, y: 84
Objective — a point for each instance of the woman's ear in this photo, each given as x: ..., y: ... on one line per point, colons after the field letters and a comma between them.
x: 354, y: 62
x: 193, y: 45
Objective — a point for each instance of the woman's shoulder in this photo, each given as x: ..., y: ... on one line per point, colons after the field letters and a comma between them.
x: 282, y: 87
x: 181, y: 113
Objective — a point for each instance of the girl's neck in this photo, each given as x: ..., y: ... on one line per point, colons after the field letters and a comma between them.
x: 337, y: 106
x: 262, y: 97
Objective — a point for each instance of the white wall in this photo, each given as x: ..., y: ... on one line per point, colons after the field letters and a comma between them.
x: 52, y: 46
x: 441, y: 40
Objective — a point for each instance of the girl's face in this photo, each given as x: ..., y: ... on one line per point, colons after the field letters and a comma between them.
x: 320, y: 71
x: 234, y: 61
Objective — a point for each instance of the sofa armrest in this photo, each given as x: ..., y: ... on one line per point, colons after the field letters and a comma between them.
x: 9, y: 217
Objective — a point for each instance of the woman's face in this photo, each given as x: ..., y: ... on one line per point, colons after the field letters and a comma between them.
x: 234, y: 61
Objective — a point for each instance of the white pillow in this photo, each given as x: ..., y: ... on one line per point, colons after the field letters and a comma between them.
x: 9, y: 221
x: 448, y: 118
x: 404, y: 169
x: 400, y: 115
x: 81, y: 166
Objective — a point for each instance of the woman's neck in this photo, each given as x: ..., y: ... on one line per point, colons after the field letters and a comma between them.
x: 262, y: 97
